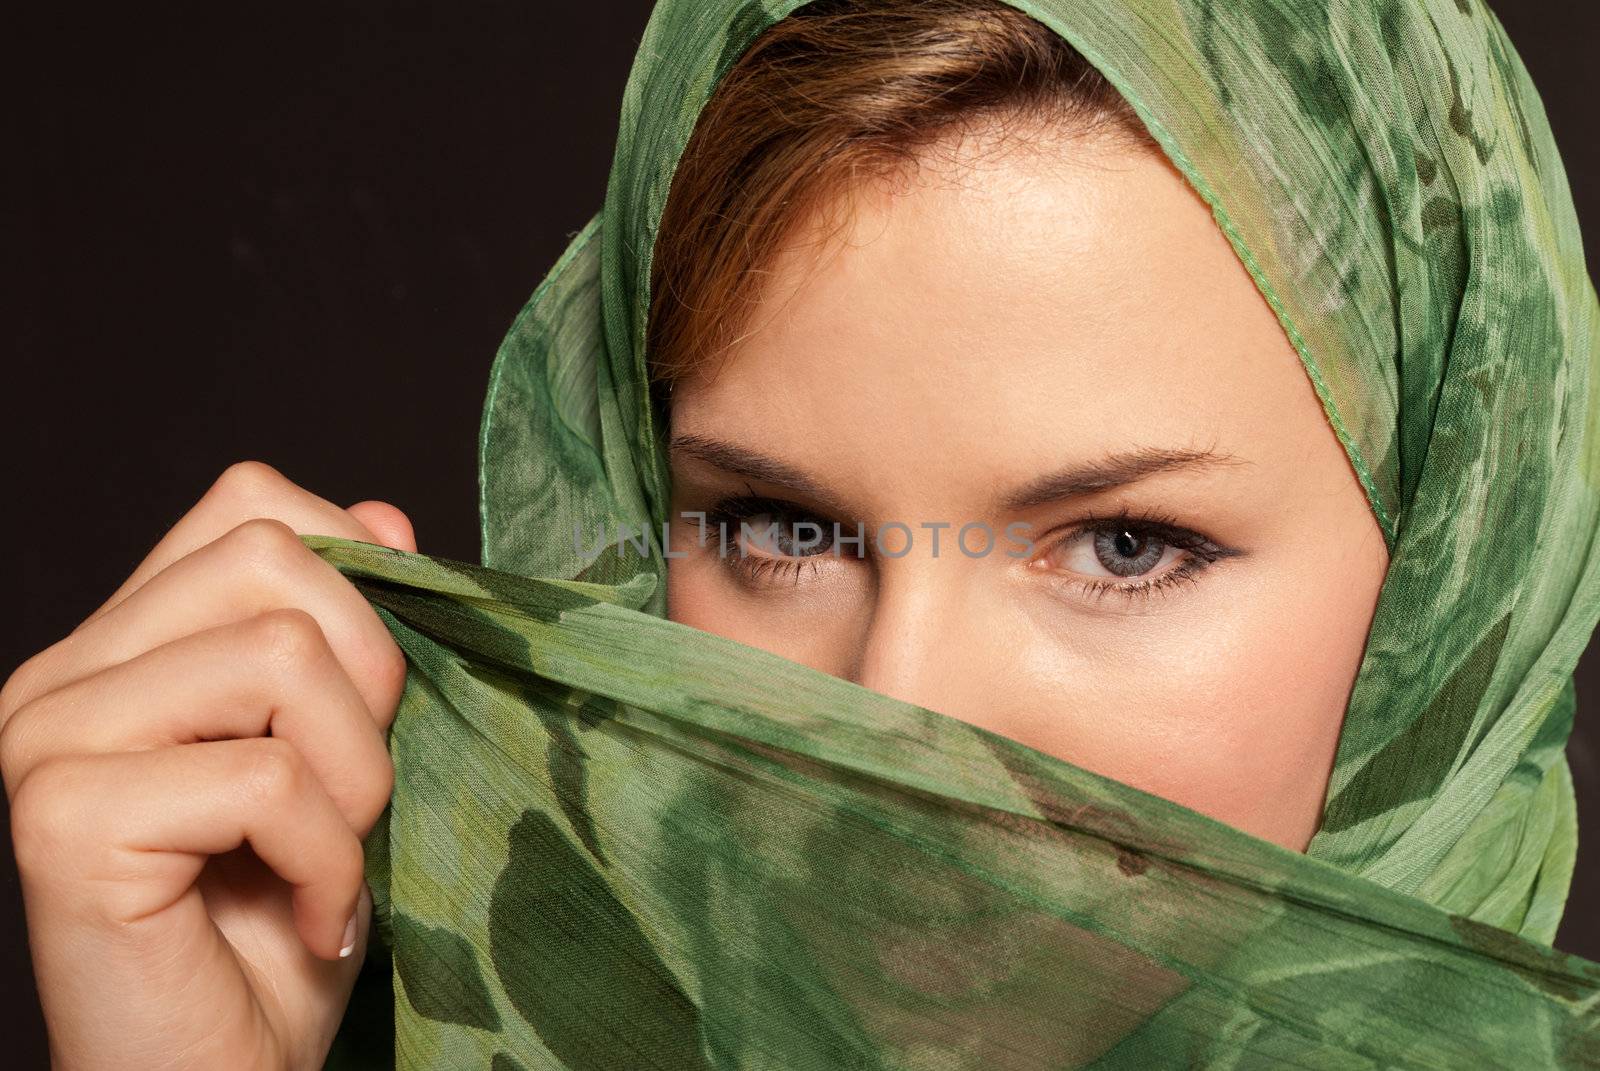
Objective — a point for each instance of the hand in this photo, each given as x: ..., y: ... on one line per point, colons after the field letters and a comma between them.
x: 191, y: 772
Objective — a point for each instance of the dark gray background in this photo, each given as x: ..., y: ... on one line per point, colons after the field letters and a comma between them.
x: 297, y: 233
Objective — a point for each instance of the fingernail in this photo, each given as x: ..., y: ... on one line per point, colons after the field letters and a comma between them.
x: 349, y: 937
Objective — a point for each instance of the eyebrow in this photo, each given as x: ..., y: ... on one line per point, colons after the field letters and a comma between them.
x: 1084, y: 478
x: 1111, y: 471
x: 752, y: 465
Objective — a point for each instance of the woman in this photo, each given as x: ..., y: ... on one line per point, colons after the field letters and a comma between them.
x: 914, y: 356
x: 1232, y: 341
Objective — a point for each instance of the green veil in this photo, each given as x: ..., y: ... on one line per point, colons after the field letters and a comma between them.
x: 617, y: 842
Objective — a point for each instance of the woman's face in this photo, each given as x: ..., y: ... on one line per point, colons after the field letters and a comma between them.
x: 1170, y: 568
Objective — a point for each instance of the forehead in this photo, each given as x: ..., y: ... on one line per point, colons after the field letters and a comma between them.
x: 1004, y: 307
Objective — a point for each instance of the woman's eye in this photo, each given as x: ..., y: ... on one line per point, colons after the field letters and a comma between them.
x: 783, y: 535
x: 765, y: 540
x: 1115, y: 551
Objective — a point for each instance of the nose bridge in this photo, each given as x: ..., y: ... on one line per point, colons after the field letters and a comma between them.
x: 913, y: 645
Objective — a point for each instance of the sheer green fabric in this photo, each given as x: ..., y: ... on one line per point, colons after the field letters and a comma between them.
x: 617, y: 842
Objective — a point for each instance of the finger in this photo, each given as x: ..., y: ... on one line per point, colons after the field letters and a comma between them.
x: 245, y: 490
x: 260, y: 565
x: 274, y: 674
x: 123, y: 836
x: 387, y: 523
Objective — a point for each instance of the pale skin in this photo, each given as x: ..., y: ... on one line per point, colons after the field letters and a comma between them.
x: 1001, y: 315
x: 190, y: 879
x: 138, y: 764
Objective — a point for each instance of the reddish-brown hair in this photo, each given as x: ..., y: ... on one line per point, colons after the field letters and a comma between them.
x: 839, y: 91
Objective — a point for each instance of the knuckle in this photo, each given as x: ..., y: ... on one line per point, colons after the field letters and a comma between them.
x: 274, y: 773
x: 288, y: 638
x: 389, y: 674
x: 44, y: 811
x: 375, y: 791
x: 264, y: 543
x: 246, y: 482
x: 349, y: 862
x: 23, y: 683
x: 16, y: 738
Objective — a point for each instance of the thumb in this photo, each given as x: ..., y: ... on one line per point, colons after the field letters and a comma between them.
x: 388, y: 525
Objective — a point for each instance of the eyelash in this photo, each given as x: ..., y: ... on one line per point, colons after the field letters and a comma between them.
x: 1201, y: 552
x: 736, y: 508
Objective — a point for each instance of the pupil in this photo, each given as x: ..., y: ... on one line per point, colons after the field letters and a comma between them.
x: 1127, y: 553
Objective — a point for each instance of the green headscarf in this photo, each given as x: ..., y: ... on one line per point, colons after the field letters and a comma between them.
x: 618, y: 842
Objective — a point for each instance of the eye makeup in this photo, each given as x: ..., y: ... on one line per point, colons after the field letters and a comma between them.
x: 1134, y: 536
x: 774, y: 521
x: 1138, y: 554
